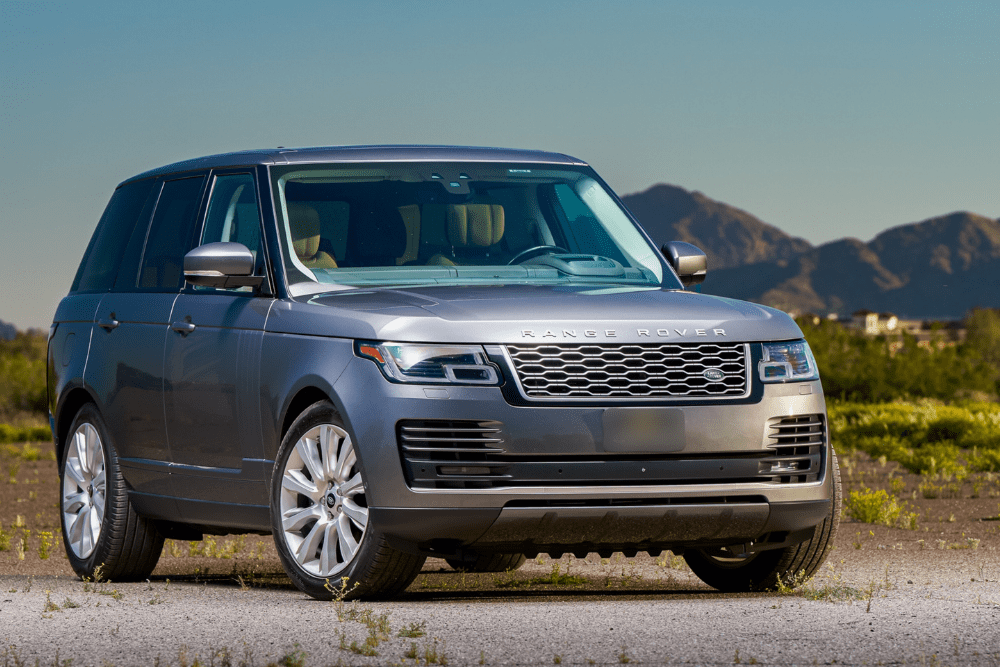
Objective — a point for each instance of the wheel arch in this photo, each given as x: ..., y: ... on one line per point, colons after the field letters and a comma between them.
x: 71, y: 402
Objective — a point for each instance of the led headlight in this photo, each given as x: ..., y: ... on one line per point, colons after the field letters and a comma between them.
x: 788, y: 362
x: 430, y: 364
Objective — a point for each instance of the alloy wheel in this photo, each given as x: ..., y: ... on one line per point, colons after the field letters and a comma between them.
x: 324, y: 513
x: 84, y: 490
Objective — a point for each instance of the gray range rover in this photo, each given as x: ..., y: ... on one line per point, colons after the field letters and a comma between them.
x: 380, y: 354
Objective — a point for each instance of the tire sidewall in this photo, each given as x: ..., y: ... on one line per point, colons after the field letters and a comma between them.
x: 324, y: 588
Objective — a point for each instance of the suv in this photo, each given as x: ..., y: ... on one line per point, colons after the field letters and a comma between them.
x: 379, y: 354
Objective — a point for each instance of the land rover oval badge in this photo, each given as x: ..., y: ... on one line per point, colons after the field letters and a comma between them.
x: 713, y: 374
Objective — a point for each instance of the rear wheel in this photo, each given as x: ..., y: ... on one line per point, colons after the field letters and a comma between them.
x: 319, y: 514
x: 488, y: 563
x: 103, y: 534
x: 763, y: 570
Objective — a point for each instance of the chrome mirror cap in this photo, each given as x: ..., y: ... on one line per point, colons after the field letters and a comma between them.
x: 689, y: 261
x: 221, y: 264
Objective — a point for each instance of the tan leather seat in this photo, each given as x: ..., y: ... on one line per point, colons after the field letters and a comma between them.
x: 472, y: 230
x: 303, y: 222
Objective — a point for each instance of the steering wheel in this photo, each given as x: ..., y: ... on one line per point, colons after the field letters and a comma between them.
x: 537, y: 250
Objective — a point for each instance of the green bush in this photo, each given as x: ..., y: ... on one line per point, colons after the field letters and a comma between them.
x: 22, y: 374
x: 924, y: 437
x: 10, y: 434
x: 877, y: 369
x: 879, y: 507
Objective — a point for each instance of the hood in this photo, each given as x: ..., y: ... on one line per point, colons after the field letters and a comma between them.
x: 524, y: 313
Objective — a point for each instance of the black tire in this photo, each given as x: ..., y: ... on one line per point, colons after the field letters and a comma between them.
x: 373, y: 569
x: 488, y: 563
x: 764, y: 570
x: 127, y: 545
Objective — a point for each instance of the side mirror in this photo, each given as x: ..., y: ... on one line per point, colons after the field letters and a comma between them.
x: 689, y: 262
x: 222, y: 264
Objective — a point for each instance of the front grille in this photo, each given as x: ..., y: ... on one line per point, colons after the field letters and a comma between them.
x: 798, y: 444
x: 667, y: 370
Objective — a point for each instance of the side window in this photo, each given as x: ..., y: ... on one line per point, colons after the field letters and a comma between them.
x: 233, y: 216
x: 100, y: 264
x: 170, y: 235
x: 232, y: 212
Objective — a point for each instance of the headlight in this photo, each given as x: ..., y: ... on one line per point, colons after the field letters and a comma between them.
x: 788, y: 362
x: 436, y: 364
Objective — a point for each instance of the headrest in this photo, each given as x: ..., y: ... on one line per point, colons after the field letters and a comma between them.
x: 479, y: 225
x: 376, y: 236
x: 303, y: 223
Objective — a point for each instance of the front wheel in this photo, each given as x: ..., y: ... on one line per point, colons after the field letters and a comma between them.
x: 764, y: 570
x: 319, y: 514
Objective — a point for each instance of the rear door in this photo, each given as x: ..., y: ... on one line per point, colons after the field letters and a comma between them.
x: 125, y: 369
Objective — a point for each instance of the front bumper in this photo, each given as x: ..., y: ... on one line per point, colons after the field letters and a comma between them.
x: 620, y: 512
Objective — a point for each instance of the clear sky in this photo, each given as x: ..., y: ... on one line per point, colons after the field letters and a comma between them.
x: 827, y: 119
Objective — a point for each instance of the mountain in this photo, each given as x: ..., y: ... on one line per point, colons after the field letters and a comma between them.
x: 938, y: 268
x: 729, y: 236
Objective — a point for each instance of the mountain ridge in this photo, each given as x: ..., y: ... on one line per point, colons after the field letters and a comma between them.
x: 940, y: 267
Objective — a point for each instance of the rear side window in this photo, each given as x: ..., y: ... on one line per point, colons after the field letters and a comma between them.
x: 170, y: 235
x: 99, y: 267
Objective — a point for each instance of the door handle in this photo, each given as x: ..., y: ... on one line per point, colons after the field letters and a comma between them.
x: 108, y: 323
x: 183, y: 328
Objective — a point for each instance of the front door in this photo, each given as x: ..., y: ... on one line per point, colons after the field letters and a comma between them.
x: 212, y: 368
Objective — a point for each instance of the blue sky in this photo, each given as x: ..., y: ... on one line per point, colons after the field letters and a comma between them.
x: 825, y: 119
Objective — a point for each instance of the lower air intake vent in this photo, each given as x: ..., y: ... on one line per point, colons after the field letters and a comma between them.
x: 798, y: 444
x: 451, y: 453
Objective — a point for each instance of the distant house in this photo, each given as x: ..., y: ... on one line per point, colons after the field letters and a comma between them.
x: 873, y: 323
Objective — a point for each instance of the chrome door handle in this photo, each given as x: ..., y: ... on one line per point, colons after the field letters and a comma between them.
x: 183, y: 328
x: 109, y: 323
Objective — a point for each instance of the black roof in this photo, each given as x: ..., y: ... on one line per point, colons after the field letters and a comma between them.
x: 352, y: 154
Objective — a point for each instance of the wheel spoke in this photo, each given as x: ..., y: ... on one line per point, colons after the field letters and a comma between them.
x: 306, y: 448
x: 329, y: 549
x: 74, y: 501
x: 348, y: 545
x: 100, y: 481
x: 329, y: 440
x: 99, y: 509
x: 80, y: 445
x: 74, y: 473
x: 92, y: 445
x: 352, y: 487
x: 346, y: 460
x: 77, y: 529
x: 296, y: 482
x: 308, y: 545
x: 357, y: 514
x: 93, y: 525
x: 295, y: 518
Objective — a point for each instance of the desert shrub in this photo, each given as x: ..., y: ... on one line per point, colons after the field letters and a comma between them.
x: 879, y: 507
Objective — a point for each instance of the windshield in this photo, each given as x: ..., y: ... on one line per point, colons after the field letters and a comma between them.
x: 427, y: 223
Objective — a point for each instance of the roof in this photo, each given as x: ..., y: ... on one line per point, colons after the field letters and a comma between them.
x: 354, y: 154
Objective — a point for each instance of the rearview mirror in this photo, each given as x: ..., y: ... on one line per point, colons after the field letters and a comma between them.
x: 221, y: 264
x: 689, y: 262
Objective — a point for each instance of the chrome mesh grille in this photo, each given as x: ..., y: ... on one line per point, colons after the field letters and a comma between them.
x: 666, y: 370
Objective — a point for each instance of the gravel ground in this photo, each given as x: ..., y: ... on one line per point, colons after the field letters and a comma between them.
x: 873, y: 606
